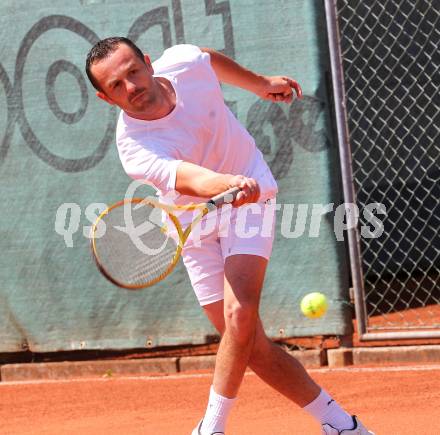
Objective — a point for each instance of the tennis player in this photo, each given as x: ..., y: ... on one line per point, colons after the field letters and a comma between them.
x: 175, y: 132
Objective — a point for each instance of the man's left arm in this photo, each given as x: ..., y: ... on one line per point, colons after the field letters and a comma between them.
x: 274, y: 88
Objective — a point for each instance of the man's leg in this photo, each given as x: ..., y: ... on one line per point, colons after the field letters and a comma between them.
x: 286, y: 374
x: 244, y: 276
x: 273, y: 365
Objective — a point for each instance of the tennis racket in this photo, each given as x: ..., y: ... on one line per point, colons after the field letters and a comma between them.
x: 134, y: 249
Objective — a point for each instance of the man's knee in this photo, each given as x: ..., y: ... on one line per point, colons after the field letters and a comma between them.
x: 261, y: 348
x: 240, y: 320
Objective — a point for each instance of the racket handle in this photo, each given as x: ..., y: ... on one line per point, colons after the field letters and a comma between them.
x: 225, y: 197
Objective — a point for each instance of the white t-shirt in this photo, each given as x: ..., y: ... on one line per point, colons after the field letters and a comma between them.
x: 200, y: 129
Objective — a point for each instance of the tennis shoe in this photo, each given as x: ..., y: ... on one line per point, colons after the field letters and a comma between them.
x: 198, y: 430
x: 358, y: 429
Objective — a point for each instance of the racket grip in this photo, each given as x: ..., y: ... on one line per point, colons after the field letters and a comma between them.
x: 225, y: 197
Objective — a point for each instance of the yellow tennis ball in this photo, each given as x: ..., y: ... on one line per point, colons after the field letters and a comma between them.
x: 314, y: 305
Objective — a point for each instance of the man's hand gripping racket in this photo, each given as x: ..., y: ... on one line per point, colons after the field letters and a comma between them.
x: 131, y: 246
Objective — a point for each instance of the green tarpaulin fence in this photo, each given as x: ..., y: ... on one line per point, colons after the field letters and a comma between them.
x: 58, y: 162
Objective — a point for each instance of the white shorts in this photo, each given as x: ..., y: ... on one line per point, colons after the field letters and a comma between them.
x: 248, y: 230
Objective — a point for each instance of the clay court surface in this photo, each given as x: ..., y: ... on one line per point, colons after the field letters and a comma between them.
x: 391, y: 400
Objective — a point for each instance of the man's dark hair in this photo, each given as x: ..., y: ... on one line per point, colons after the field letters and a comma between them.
x: 103, y: 49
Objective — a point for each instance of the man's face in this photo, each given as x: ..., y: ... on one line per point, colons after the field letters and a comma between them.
x: 126, y: 80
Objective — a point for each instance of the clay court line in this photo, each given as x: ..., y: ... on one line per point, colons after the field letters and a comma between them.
x: 432, y: 367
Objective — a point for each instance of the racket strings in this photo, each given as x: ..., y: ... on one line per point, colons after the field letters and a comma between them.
x: 157, y: 265
x: 134, y: 249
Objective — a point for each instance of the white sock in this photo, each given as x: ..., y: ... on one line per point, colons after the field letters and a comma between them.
x: 326, y: 410
x: 217, y: 413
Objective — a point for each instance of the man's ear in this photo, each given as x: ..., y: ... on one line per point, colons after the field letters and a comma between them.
x: 104, y: 97
x: 148, y: 63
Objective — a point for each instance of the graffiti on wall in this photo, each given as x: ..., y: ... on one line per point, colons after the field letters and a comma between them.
x: 297, y: 126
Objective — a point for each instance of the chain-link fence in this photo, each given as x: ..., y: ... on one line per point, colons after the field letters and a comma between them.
x: 391, y: 62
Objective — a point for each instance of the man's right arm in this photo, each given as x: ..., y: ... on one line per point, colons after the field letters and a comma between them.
x: 166, y: 173
x: 195, y: 180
